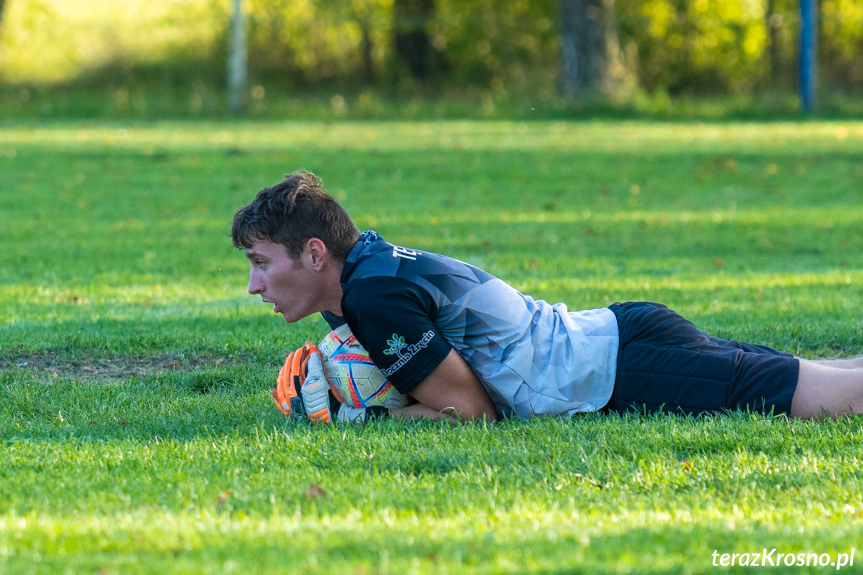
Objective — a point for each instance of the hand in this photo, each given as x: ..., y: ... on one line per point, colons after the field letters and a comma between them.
x: 316, y: 388
x: 420, y: 411
x: 290, y: 381
x: 361, y: 415
x: 303, y: 387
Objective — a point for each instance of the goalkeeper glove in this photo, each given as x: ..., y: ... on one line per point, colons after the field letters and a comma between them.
x: 290, y: 380
x: 303, y: 387
x: 316, y: 388
x: 348, y: 414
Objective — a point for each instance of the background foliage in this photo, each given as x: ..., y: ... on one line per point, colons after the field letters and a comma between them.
x: 490, y: 52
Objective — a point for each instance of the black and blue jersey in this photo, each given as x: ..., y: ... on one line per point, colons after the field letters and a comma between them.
x: 408, y: 308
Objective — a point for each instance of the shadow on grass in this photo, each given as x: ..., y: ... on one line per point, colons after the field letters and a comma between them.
x: 86, y: 368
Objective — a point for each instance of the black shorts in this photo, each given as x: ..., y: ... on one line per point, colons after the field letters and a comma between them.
x: 665, y: 363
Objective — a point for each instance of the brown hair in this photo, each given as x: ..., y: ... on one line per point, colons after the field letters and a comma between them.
x: 291, y: 213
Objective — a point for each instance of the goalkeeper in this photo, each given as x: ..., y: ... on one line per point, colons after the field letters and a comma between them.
x: 463, y: 344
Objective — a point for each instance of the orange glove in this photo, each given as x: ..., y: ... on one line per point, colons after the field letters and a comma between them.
x: 290, y: 381
x: 303, y: 386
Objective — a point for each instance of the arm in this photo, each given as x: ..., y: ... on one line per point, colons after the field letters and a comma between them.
x: 452, y: 391
x: 384, y: 310
x: 420, y: 411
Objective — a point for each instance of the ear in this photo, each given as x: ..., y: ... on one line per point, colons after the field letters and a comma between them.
x: 316, y: 251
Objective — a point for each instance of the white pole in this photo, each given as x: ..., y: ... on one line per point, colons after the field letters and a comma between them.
x: 237, y: 60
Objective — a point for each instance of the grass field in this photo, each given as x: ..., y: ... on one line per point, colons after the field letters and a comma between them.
x: 137, y: 432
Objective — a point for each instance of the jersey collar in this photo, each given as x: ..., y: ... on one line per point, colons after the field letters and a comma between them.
x: 367, y: 238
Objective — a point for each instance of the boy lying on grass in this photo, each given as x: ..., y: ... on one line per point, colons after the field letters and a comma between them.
x: 477, y: 348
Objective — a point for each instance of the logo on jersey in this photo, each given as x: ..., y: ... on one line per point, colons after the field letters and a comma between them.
x: 397, y: 344
x: 405, y: 253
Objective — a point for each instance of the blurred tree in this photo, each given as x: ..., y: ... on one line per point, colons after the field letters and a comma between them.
x: 363, y: 13
x: 2, y: 2
x: 700, y: 47
x: 491, y: 51
x: 494, y: 50
x: 773, y: 21
x: 840, y: 43
x: 590, y: 50
x: 366, y: 48
x: 302, y: 43
x: 413, y: 46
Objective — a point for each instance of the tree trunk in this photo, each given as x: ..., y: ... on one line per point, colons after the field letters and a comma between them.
x: 237, y: 60
x: 412, y: 43
x: 591, y: 52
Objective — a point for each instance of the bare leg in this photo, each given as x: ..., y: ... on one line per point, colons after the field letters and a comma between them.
x: 853, y: 363
x: 823, y: 390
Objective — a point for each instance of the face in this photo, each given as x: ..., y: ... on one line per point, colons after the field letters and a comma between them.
x: 292, y: 286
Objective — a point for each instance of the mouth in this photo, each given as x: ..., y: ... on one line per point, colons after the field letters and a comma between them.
x: 276, y: 308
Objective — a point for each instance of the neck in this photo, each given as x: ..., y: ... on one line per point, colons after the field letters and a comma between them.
x: 332, y: 293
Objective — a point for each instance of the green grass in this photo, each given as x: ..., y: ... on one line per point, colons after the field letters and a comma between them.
x: 140, y: 436
x: 174, y: 94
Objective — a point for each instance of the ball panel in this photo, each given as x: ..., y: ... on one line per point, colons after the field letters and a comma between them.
x: 351, y: 371
x: 354, y: 391
x: 351, y: 358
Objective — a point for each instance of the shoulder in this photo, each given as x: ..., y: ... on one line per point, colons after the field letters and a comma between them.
x: 427, y: 269
x: 384, y: 294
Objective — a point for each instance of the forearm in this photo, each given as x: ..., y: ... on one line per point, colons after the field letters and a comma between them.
x: 453, y: 389
x: 419, y: 410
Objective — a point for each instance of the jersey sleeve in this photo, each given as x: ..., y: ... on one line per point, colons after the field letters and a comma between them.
x: 333, y: 320
x: 392, y: 319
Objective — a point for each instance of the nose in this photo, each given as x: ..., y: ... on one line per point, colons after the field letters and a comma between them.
x: 256, y: 286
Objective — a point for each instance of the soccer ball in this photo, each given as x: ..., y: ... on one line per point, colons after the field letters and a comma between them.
x: 351, y: 372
